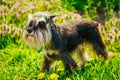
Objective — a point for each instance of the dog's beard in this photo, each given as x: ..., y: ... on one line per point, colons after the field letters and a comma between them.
x: 37, y: 39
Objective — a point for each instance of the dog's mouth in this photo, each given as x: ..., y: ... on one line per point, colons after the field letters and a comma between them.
x: 29, y: 35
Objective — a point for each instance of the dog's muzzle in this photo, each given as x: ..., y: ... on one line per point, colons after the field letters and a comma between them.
x: 30, y: 39
x: 36, y: 38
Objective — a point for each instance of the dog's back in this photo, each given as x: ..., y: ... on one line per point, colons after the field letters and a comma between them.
x: 76, y: 28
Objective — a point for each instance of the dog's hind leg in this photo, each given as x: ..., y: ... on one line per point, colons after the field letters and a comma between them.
x: 84, y: 57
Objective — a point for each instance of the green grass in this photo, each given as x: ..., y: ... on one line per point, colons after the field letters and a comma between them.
x: 18, y: 62
x: 25, y: 63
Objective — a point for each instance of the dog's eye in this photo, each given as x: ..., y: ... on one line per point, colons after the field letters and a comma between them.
x: 41, y: 24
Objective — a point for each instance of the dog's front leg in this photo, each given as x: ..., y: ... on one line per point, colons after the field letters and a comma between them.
x: 68, y: 61
x: 46, y: 64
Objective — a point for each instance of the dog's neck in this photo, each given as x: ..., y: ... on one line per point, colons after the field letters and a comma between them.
x: 56, y: 38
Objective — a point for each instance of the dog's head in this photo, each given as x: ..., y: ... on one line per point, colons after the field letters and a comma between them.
x: 37, y: 31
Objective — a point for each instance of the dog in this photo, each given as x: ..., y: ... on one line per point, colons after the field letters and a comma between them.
x: 58, y: 41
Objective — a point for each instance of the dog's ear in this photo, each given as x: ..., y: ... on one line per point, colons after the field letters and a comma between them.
x: 30, y: 16
x: 52, y: 16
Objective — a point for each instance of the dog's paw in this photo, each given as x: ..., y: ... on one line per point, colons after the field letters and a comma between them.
x: 111, y: 55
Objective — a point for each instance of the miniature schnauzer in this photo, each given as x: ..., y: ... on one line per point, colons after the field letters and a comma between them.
x: 59, y: 41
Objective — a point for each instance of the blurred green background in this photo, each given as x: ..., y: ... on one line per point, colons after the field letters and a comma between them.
x: 17, y: 61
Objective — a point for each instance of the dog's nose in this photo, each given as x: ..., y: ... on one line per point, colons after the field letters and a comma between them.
x: 29, y: 30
